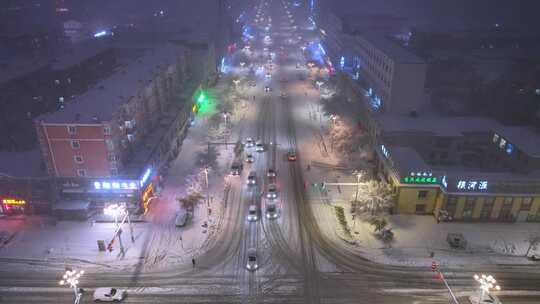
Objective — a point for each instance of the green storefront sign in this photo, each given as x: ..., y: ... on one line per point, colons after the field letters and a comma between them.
x: 419, y: 180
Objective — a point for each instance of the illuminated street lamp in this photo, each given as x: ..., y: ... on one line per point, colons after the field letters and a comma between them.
x: 334, y: 118
x: 319, y: 84
x: 116, y: 211
x: 242, y: 64
x: 71, y: 279
x: 487, y: 284
x: 236, y: 82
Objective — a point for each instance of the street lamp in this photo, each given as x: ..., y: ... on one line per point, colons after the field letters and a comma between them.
x: 487, y: 283
x: 333, y: 117
x: 319, y: 84
x: 71, y: 279
x: 242, y: 64
x: 115, y: 210
x: 226, y: 117
x: 236, y: 82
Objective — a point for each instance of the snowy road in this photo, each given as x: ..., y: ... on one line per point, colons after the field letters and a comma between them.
x: 300, y: 259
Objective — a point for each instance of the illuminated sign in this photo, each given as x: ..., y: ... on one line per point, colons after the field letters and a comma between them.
x: 444, y: 182
x: 115, y: 185
x: 420, y: 178
x: 471, y: 185
x: 385, y: 151
x: 145, y: 176
x: 13, y: 202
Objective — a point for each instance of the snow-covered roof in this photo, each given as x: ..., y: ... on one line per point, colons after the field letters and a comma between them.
x: 79, y: 52
x: 406, y: 160
x: 439, y: 126
x: 391, y: 49
x: 523, y: 138
x: 103, y: 99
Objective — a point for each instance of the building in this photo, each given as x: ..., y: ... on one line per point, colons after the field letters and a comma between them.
x: 107, y: 144
x: 391, y: 76
x: 460, y: 168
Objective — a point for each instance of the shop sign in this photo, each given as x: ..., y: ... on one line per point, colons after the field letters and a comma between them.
x: 13, y: 202
x: 385, y: 151
x: 471, y: 185
x: 115, y: 185
x: 419, y: 178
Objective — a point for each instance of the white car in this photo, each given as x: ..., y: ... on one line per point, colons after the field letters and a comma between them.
x: 252, y: 264
x: 253, y: 213
x: 271, y: 193
x: 271, y: 211
x: 259, y: 146
x: 249, y: 142
x: 109, y: 294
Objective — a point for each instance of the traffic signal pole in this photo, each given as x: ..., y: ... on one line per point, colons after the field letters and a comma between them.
x: 435, y: 268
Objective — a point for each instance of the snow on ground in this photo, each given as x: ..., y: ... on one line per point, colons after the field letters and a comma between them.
x: 416, y: 237
x: 43, y: 241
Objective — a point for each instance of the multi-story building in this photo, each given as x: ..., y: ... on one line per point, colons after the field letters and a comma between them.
x: 391, y: 76
x: 104, y: 140
x: 460, y: 168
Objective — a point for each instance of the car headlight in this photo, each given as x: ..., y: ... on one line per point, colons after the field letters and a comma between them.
x: 248, y: 266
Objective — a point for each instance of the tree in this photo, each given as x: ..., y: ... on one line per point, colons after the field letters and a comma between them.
x: 376, y: 196
x: 190, y: 201
x: 207, y: 157
x: 378, y: 223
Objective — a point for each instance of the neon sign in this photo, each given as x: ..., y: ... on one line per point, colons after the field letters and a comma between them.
x: 385, y: 151
x: 420, y: 178
x: 115, y: 185
x: 13, y: 202
x: 471, y: 185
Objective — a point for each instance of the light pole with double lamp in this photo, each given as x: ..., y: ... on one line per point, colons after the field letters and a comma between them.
x: 71, y: 279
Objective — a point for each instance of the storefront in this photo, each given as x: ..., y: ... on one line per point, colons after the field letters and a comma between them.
x: 12, y: 206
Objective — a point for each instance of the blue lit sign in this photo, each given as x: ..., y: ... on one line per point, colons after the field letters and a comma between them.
x: 100, y: 34
x: 509, y: 148
x: 145, y: 176
x: 385, y: 151
x: 342, y: 62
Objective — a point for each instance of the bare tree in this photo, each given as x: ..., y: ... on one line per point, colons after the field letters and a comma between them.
x: 207, y: 157
x: 533, y: 240
x: 190, y: 201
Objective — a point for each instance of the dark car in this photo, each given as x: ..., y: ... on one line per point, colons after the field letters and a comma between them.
x: 236, y: 168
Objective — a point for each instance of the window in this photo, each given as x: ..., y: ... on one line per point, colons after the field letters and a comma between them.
x: 107, y: 130
x: 422, y: 194
x: 78, y: 159
x: 75, y: 144
x: 526, y: 204
x: 110, y: 144
x: 114, y: 171
x: 420, y: 208
x: 81, y: 172
x: 451, y: 205
x: 72, y: 129
x: 506, y: 210
x: 487, y: 208
x: 61, y: 99
x: 469, y: 207
x: 112, y: 157
x: 56, y: 81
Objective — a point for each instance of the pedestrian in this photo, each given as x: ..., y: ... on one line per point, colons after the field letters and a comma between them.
x: 193, y: 262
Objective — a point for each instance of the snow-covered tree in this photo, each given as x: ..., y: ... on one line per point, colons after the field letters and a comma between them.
x: 375, y: 196
x: 190, y: 201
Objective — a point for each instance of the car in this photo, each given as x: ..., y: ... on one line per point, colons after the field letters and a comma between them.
x: 271, y: 211
x: 181, y: 219
x: 253, y: 213
x: 534, y: 257
x: 252, y: 84
x: 249, y: 158
x: 259, y: 146
x: 252, y: 179
x: 249, y: 142
x: 268, y: 75
x: 109, y: 294
x: 283, y: 95
x: 252, y: 264
x: 271, y: 193
x: 271, y: 173
x: 236, y: 168
x: 291, y: 155
x: 267, y: 89
x: 486, y: 299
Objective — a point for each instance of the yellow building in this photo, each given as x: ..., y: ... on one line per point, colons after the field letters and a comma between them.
x: 454, y: 194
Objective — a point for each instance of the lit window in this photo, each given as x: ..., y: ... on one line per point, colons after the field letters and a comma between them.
x: 78, y: 159
x: 72, y: 129
x: 81, y: 172
x: 75, y: 144
x: 61, y: 99
x: 110, y: 144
